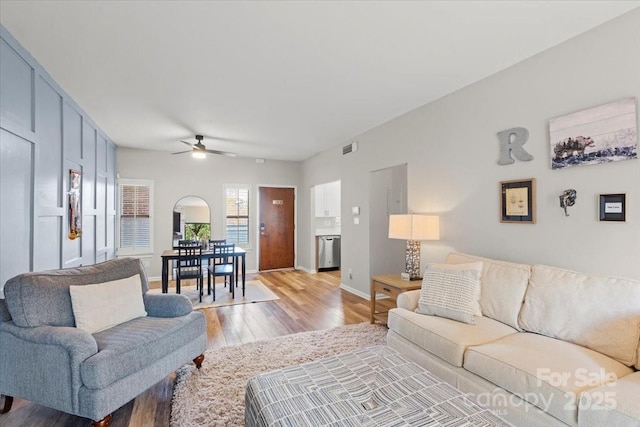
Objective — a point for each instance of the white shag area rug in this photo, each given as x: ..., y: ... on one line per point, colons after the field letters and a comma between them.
x: 255, y: 291
x: 214, y: 395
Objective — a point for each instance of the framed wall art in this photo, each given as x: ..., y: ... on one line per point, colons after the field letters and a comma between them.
x: 75, y: 216
x: 518, y: 201
x: 603, y: 134
x: 613, y: 207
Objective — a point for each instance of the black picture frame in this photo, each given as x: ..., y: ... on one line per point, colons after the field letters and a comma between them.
x: 613, y: 207
x: 518, y: 201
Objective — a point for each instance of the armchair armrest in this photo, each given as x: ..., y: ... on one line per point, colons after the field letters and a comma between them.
x: 42, y: 364
x: 78, y: 343
x: 4, y: 311
x: 167, y: 305
x: 408, y: 300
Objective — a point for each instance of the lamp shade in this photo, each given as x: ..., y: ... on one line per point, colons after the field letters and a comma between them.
x: 414, y: 227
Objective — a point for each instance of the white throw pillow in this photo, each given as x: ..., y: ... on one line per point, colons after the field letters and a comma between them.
x: 503, y: 287
x: 101, y: 306
x: 451, y: 291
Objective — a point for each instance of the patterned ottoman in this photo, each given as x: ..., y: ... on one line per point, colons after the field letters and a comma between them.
x: 374, y: 386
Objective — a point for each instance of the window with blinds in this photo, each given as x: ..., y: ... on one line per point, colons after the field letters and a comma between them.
x: 237, y: 215
x: 135, y: 209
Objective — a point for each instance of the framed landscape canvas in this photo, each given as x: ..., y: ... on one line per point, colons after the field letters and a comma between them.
x: 607, y: 133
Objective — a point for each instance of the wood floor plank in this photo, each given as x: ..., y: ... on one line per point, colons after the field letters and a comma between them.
x: 307, y: 302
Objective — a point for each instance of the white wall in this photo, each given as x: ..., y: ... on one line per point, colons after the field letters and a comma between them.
x: 178, y: 176
x: 451, y: 149
x: 197, y: 214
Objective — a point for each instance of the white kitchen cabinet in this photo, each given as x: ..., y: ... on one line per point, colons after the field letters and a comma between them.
x: 328, y: 199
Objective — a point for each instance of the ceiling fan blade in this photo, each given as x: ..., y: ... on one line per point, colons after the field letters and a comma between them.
x: 185, y: 142
x: 224, y: 153
x: 182, y: 152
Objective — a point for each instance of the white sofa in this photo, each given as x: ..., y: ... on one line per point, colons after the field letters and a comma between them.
x: 552, y: 347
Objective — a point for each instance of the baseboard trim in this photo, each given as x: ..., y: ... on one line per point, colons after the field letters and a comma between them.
x: 355, y: 291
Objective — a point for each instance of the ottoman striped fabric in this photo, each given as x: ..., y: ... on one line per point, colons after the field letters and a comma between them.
x: 374, y: 386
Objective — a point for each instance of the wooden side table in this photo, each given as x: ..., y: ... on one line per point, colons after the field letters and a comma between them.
x: 392, y: 286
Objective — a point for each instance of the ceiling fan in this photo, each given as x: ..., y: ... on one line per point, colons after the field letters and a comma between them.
x: 199, y: 151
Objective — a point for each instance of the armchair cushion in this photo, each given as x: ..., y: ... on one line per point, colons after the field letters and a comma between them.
x: 42, y: 298
x: 131, y: 346
x: 167, y: 305
x: 101, y: 306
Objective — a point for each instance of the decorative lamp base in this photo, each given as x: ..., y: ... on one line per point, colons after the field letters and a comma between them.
x: 412, y: 260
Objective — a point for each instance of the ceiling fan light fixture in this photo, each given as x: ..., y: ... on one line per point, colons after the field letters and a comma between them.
x: 199, y: 150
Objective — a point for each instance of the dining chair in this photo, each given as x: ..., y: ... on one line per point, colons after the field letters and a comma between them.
x: 187, y: 243
x: 189, y: 266
x: 215, y: 242
x: 223, y: 265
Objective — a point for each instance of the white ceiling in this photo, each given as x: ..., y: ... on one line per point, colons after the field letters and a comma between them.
x: 279, y: 80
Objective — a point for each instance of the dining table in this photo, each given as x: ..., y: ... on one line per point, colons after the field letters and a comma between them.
x: 239, y: 256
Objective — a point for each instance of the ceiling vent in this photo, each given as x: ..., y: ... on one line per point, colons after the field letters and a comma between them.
x: 350, y: 148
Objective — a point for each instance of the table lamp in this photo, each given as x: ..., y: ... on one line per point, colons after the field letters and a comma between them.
x: 414, y: 228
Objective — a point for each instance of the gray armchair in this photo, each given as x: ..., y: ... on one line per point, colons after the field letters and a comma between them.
x: 44, y: 358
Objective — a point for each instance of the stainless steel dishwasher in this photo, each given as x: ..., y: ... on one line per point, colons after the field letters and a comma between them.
x: 328, y: 252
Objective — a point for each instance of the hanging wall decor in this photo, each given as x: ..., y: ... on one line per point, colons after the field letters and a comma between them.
x: 518, y: 201
x: 511, y: 142
x: 568, y: 199
x: 607, y: 133
x: 75, y: 216
x: 613, y: 207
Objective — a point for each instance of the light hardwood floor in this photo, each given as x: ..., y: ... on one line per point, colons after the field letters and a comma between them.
x: 307, y: 302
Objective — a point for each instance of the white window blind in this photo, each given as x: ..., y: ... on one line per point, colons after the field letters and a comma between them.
x: 135, y: 224
x: 237, y: 215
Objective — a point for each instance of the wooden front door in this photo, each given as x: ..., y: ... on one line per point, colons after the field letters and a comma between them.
x: 276, y: 228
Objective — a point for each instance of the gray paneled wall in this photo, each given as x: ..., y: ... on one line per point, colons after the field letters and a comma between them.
x: 44, y: 134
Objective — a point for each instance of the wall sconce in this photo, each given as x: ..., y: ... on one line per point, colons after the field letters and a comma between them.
x: 413, y: 229
x: 567, y: 198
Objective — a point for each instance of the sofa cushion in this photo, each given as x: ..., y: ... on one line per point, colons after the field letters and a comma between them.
x: 42, y: 298
x: 101, y: 306
x: 597, y: 312
x: 502, y: 287
x: 546, y: 372
x: 445, y: 338
x: 613, y: 405
x: 451, y: 291
x: 136, y: 344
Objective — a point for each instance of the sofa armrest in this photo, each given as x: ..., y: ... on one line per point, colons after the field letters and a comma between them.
x: 167, y: 305
x: 408, y: 300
